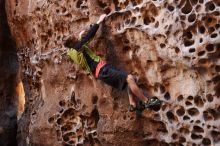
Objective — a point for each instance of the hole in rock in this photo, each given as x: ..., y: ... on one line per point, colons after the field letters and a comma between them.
x: 162, y: 88
x: 188, y: 34
x: 190, y: 97
x: 182, y: 17
x: 180, y: 111
x: 156, y: 108
x: 196, y: 136
x: 217, y: 26
x: 202, y: 29
x: 133, y: 20
x: 206, y: 141
x: 125, y: 41
x: 216, y: 79
x: 62, y: 103
x: 134, y: 3
x: 218, y: 46
x: 187, y: 8
x: 184, y: 130
x: 201, y: 53
x: 209, y: 6
x: 209, y: 97
x: 162, y: 127
x: 127, y: 21
x: 66, y: 127
x: 101, y: 4
x: 63, y: 10
x: 79, y: 3
x: 61, y: 111
x: 107, y: 10
x: 209, y: 126
x: 215, y: 135
x: 207, y: 116
x: 137, y: 9
x: 51, y: 120
x: 214, y: 35
x: 198, y: 129
x: 198, y: 101
x: 156, y: 24
x: 126, y: 48
x: 162, y: 45
x: 193, y: 111
x: 186, y: 118
x: 60, y: 121
x: 180, y: 98
x: 201, y: 1
x: 94, y: 99
x: 188, y: 103
x: 95, y: 115
x: 216, y: 13
x: 174, y: 136
x: 203, y: 61
x: 167, y: 96
x: 69, y: 113
x: 198, y: 8
x: 164, y: 107
x: 71, y: 142
x: 200, y: 40
x: 72, y: 98
x: 188, y: 42
x: 157, y: 116
x: 217, y: 68
x: 182, y: 139
x: 211, y: 29
x: 192, y: 18
x: 170, y: 8
x: 66, y: 138
x: 177, y: 50
x: 210, y: 47
x: 147, y: 20
x: 209, y: 20
x: 194, y: 2
x: 170, y: 116
x: 214, y: 113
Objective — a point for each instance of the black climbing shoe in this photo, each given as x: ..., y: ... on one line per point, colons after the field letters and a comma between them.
x: 152, y: 102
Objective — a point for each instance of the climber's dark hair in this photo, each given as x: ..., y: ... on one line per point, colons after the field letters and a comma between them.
x: 70, y: 42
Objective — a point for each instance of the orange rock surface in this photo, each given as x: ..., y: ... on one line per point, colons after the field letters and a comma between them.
x: 172, y: 45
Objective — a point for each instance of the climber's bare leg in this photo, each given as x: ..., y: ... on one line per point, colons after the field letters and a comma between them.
x: 135, y: 89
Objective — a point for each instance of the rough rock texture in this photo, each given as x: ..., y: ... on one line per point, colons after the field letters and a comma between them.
x: 174, y: 46
x: 9, y: 77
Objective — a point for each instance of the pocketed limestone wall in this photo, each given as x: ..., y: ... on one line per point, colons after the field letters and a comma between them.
x: 173, y: 46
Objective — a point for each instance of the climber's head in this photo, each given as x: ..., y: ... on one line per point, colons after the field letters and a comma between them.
x: 70, y: 42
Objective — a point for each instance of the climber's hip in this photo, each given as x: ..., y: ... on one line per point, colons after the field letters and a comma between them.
x: 112, y: 76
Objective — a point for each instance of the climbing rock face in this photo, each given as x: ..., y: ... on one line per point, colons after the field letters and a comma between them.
x: 173, y: 46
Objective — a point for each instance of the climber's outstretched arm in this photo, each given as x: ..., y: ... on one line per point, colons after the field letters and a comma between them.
x: 91, y: 33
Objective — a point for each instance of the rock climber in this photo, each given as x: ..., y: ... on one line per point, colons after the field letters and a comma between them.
x: 83, y: 56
